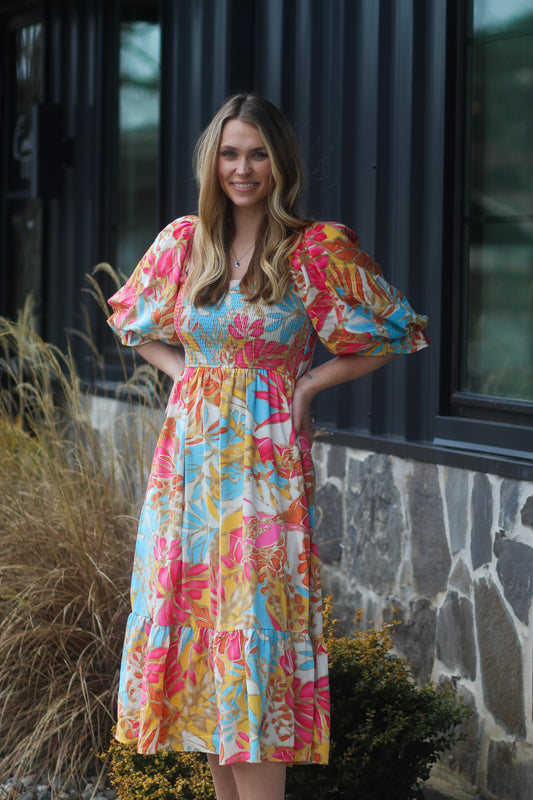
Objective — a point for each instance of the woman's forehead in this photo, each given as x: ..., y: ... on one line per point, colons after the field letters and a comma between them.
x: 241, y: 134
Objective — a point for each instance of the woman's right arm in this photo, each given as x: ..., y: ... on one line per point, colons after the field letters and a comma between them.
x: 170, y: 359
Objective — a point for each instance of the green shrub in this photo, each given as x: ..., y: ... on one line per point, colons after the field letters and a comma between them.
x: 386, y: 733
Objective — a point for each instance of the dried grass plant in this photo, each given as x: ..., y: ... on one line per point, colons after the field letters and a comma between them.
x: 68, y: 508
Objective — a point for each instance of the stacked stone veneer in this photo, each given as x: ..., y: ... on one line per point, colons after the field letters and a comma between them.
x: 452, y: 551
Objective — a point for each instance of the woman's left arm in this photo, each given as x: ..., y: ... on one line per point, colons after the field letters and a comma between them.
x: 337, y: 370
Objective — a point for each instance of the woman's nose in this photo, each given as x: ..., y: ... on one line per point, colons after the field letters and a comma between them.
x: 243, y: 166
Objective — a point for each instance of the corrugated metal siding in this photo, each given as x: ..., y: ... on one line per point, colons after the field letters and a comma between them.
x: 363, y: 83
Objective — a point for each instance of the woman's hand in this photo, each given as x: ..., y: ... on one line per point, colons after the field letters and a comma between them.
x: 330, y: 373
x: 301, y: 407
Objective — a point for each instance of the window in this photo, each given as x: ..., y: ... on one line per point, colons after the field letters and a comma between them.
x: 133, y: 96
x: 138, y: 150
x: 496, y: 359
x: 485, y: 406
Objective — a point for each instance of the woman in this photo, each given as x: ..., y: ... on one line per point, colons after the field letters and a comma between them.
x: 224, y: 650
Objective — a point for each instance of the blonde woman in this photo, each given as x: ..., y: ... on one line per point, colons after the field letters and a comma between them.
x: 224, y: 651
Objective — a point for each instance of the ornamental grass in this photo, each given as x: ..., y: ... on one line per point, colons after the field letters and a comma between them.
x: 68, y: 508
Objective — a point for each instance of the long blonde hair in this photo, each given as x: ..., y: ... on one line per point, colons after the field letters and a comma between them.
x: 268, y: 274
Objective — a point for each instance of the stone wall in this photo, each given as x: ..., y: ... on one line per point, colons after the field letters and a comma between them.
x: 452, y: 551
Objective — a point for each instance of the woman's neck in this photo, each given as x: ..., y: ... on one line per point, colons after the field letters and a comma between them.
x: 247, y: 223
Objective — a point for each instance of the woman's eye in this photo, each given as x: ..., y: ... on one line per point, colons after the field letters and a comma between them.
x: 260, y: 155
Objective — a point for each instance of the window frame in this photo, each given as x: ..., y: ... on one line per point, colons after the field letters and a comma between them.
x: 464, y: 404
x: 118, y: 365
x: 493, y: 434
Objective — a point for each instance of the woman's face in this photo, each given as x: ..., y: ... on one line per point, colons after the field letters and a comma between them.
x: 244, y: 169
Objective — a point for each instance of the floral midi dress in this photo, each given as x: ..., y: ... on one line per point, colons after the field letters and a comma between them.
x: 223, y: 650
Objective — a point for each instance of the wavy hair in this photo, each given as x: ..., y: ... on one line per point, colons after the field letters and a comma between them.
x: 267, y: 277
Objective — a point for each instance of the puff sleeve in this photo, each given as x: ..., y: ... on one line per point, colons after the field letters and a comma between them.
x: 143, y: 309
x: 351, y: 306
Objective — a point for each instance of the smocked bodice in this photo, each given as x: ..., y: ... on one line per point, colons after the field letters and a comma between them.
x: 237, y: 334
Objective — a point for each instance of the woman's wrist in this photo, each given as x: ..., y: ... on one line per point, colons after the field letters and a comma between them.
x: 170, y: 359
x: 308, y: 385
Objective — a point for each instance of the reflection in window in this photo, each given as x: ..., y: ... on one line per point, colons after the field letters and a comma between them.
x: 491, y: 16
x: 139, y: 103
x: 498, y: 231
x: 24, y: 210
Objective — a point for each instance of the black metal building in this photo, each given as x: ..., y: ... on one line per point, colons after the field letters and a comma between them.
x: 415, y: 118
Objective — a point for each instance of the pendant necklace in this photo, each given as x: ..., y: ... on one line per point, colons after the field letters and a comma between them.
x: 237, y: 262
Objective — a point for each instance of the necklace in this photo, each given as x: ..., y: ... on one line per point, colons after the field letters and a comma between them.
x: 237, y: 262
